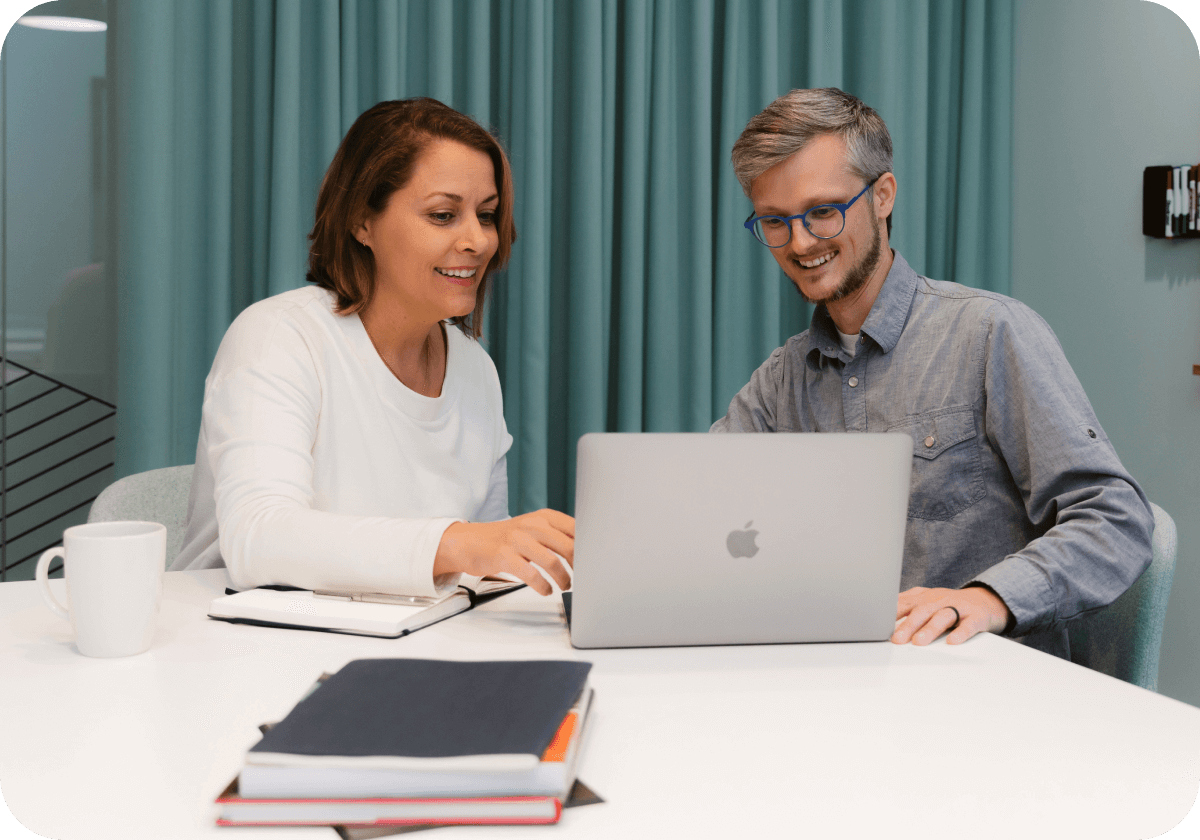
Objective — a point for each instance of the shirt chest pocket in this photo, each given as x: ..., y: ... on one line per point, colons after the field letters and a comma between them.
x: 947, y: 476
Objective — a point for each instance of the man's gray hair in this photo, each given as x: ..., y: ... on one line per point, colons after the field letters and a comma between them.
x: 787, y: 125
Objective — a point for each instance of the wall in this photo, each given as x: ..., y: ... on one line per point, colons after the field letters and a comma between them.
x: 1103, y: 89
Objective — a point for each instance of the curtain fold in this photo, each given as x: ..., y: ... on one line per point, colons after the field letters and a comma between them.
x: 634, y: 300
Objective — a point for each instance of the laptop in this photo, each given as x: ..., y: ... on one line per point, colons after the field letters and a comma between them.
x: 717, y: 539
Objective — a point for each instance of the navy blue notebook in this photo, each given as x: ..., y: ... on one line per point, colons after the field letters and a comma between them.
x: 431, y: 708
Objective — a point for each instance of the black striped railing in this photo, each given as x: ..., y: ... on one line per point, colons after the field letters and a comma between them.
x: 58, y: 449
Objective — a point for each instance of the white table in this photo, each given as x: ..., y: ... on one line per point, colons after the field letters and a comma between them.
x: 988, y: 739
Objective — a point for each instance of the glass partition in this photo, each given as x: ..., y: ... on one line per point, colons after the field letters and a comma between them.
x: 58, y: 390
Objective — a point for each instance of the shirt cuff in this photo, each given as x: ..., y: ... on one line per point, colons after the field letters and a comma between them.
x: 422, y: 569
x: 1023, y: 588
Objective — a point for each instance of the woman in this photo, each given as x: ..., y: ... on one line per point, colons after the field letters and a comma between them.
x: 353, y: 436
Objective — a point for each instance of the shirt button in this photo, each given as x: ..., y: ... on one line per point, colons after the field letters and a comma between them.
x: 929, y: 442
x: 1091, y: 433
x: 853, y: 383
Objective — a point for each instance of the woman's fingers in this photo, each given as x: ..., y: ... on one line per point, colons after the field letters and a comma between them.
x: 527, y: 571
x: 528, y: 575
x: 561, y: 521
x: 553, y: 529
x: 555, y: 566
x: 544, y: 551
x: 561, y: 545
x: 538, y: 548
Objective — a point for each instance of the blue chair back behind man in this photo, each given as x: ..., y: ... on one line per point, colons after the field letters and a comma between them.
x: 1123, y: 639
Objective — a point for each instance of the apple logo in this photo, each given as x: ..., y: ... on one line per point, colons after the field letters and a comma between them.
x: 741, y: 543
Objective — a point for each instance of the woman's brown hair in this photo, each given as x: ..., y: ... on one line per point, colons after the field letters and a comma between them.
x: 377, y: 157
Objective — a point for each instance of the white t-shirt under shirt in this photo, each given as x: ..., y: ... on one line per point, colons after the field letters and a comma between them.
x: 317, y: 468
x: 849, y: 342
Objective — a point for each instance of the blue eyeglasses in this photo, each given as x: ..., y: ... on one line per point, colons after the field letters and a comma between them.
x: 824, y: 221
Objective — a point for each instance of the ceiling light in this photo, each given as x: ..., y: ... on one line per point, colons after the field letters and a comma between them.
x: 67, y: 16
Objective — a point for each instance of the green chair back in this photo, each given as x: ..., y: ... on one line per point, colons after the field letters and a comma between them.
x: 151, y: 496
x: 1123, y: 639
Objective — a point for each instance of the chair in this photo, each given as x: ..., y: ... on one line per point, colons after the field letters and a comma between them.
x: 1123, y: 639
x: 151, y: 496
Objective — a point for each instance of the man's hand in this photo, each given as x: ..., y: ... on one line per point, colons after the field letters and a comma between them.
x: 514, y: 546
x: 927, y: 614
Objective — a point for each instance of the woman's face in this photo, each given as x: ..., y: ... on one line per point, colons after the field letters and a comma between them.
x: 436, y: 235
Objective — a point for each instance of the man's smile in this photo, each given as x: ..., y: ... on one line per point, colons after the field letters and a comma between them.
x: 821, y: 260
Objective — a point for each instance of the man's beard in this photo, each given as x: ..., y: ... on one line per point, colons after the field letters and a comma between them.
x: 857, y: 276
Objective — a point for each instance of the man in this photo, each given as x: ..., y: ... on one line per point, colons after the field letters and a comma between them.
x: 1021, y: 516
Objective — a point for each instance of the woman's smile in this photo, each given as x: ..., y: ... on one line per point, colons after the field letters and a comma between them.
x: 461, y: 275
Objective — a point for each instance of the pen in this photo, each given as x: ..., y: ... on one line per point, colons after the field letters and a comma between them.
x: 377, y: 598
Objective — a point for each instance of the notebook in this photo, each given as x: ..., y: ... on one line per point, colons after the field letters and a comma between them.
x: 362, y: 614
x: 708, y: 539
x: 430, y: 716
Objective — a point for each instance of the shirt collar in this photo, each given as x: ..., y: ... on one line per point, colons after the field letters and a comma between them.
x: 886, y: 319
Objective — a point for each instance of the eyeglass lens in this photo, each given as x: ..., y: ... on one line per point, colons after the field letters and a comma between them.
x: 824, y: 222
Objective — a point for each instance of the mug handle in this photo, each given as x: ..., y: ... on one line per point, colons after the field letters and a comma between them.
x: 43, y: 566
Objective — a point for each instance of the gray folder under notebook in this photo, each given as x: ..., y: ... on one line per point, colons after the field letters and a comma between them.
x: 702, y: 539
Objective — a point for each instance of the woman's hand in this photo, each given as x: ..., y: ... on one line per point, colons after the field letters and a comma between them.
x: 512, y: 545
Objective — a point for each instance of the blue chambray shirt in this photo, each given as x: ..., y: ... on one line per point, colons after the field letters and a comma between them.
x: 1014, y: 483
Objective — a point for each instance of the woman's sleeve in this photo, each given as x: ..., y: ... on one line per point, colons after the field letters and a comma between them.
x: 495, y: 506
x: 261, y: 411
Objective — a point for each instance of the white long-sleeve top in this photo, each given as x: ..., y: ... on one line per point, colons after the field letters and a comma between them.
x: 317, y: 468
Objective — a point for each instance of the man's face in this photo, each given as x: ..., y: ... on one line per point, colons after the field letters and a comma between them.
x: 825, y: 270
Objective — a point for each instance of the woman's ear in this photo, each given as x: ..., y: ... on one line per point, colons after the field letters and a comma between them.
x: 362, y: 232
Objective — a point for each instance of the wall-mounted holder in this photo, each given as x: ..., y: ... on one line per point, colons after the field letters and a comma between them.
x: 1171, y: 202
x: 1171, y: 205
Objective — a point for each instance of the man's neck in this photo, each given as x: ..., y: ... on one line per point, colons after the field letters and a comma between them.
x: 850, y: 313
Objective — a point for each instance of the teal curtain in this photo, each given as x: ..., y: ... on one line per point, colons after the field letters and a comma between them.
x: 635, y: 300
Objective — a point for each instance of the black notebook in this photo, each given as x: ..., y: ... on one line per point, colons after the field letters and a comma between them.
x: 427, y: 714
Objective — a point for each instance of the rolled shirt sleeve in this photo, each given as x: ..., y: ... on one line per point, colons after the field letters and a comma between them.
x: 1095, y: 521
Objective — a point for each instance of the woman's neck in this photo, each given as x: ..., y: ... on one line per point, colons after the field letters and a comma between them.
x: 415, y: 352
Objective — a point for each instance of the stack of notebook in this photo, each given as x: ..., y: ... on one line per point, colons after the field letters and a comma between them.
x: 394, y: 742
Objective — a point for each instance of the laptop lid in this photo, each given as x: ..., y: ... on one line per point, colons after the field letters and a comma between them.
x: 705, y: 539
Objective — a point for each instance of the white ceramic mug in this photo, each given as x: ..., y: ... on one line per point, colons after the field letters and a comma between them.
x: 114, y: 584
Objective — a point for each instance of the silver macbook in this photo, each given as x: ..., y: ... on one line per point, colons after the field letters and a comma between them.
x: 713, y: 539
